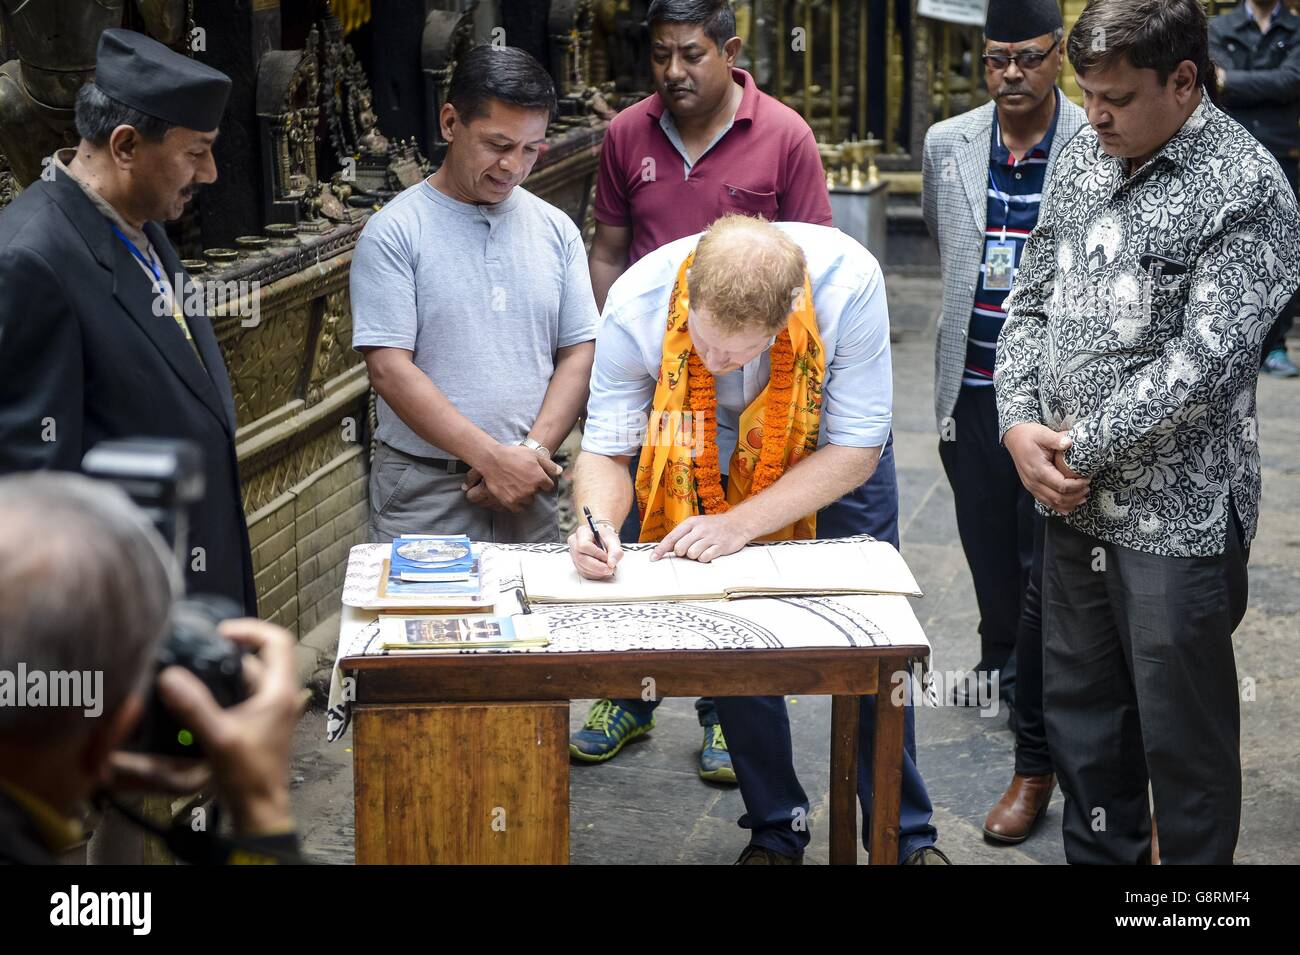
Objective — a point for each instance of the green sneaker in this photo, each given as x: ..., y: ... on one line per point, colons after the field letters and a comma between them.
x: 715, y: 760
x: 608, y: 727
x: 761, y: 855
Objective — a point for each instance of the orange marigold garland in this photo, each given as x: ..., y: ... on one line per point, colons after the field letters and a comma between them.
x: 776, y: 425
x: 776, y: 416
x: 704, y: 407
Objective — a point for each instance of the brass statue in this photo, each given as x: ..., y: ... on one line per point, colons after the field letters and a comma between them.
x: 288, y: 87
x: 349, y: 104
x: 445, y: 39
x: 55, y: 41
x: 568, y: 28
x: 56, y: 44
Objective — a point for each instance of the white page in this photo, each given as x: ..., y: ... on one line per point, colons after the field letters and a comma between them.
x: 826, y: 567
x: 553, y: 577
x: 854, y: 566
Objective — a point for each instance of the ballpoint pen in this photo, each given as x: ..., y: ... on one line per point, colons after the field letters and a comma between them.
x: 592, y: 524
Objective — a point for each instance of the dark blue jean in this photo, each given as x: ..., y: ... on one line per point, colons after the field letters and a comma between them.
x: 758, y: 727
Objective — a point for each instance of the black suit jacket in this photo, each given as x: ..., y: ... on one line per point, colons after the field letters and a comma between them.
x: 83, y: 358
x: 1262, y: 88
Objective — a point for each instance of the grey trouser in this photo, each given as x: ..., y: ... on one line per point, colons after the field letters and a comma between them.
x: 1140, y: 684
x: 410, y: 496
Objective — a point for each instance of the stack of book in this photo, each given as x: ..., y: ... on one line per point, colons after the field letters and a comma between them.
x: 434, y: 573
x: 431, y: 598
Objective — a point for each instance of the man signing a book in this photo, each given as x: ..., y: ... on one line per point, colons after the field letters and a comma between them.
x: 759, y: 414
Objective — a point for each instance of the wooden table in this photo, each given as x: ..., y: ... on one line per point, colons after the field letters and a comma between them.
x: 464, y: 758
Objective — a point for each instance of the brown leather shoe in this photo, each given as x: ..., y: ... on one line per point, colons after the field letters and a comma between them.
x: 1021, y: 806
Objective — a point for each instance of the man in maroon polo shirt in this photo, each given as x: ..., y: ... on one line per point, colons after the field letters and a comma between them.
x: 707, y: 143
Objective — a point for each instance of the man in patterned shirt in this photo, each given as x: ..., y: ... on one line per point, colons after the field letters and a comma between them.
x: 1167, y: 242
x: 983, y: 175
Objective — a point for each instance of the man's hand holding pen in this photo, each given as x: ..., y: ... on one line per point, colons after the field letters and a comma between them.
x: 595, y: 558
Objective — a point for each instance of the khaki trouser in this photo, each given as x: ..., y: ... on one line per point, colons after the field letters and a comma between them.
x: 408, y: 496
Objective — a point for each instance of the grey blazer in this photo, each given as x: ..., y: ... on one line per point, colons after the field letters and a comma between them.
x: 954, y: 201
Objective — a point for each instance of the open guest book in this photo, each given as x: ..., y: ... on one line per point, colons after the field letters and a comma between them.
x: 814, y: 568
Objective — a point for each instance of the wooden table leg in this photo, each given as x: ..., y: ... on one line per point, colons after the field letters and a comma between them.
x: 462, y: 783
x: 844, y: 780
x: 887, y: 773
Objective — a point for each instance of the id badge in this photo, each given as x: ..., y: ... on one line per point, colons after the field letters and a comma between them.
x: 999, y: 265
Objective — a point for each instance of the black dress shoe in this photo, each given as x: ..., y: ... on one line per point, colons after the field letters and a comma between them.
x: 761, y: 855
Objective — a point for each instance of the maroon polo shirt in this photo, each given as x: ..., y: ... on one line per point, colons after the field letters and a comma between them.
x: 766, y: 165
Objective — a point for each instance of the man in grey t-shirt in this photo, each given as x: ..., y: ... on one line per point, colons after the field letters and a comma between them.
x: 472, y: 304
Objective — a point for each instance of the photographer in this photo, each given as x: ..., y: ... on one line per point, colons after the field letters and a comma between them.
x: 86, y: 593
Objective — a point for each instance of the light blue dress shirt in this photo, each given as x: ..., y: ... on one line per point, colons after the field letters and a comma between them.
x: 852, y: 318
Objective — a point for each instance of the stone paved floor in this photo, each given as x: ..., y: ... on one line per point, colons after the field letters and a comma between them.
x: 648, y: 806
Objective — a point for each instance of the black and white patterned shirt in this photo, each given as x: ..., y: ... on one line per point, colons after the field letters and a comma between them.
x: 1152, y: 368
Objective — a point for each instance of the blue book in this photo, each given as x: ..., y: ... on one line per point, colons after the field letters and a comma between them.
x: 468, y: 585
x: 429, y: 558
x: 465, y: 596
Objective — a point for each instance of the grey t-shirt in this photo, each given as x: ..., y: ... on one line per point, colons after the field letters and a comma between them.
x: 483, y: 295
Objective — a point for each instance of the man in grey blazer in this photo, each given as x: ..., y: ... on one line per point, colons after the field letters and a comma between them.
x: 984, y: 173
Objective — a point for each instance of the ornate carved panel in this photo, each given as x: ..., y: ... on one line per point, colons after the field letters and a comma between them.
x: 298, y: 461
x: 265, y: 362
x: 333, y: 354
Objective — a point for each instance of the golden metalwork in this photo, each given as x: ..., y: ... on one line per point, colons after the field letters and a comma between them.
x: 333, y: 352
x: 872, y: 146
x: 752, y: 43
x: 352, y: 14
x: 568, y: 27
x: 832, y: 156
x: 778, y: 79
x: 745, y: 20
x: 893, y: 78
x: 862, y: 89
x: 305, y: 459
x: 807, y: 59
x: 844, y: 163
x: 835, y: 69
x: 288, y: 111
x: 945, y: 45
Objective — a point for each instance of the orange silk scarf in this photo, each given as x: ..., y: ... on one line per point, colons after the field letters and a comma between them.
x: 678, y: 474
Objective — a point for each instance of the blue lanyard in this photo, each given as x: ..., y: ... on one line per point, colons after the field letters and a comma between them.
x: 137, y: 254
x: 156, y: 272
x: 1006, y: 203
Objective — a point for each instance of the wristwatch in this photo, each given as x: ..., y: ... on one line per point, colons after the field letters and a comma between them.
x: 539, y: 449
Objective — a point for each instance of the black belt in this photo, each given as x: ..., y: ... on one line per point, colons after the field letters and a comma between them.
x: 450, y: 465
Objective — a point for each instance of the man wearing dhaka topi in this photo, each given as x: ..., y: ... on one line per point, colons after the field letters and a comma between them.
x: 771, y: 395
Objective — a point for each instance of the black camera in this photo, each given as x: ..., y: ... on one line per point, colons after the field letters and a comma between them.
x: 192, y: 642
x: 165, y: 478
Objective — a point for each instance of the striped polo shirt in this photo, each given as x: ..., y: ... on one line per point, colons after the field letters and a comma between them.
x: 1015, y: 190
